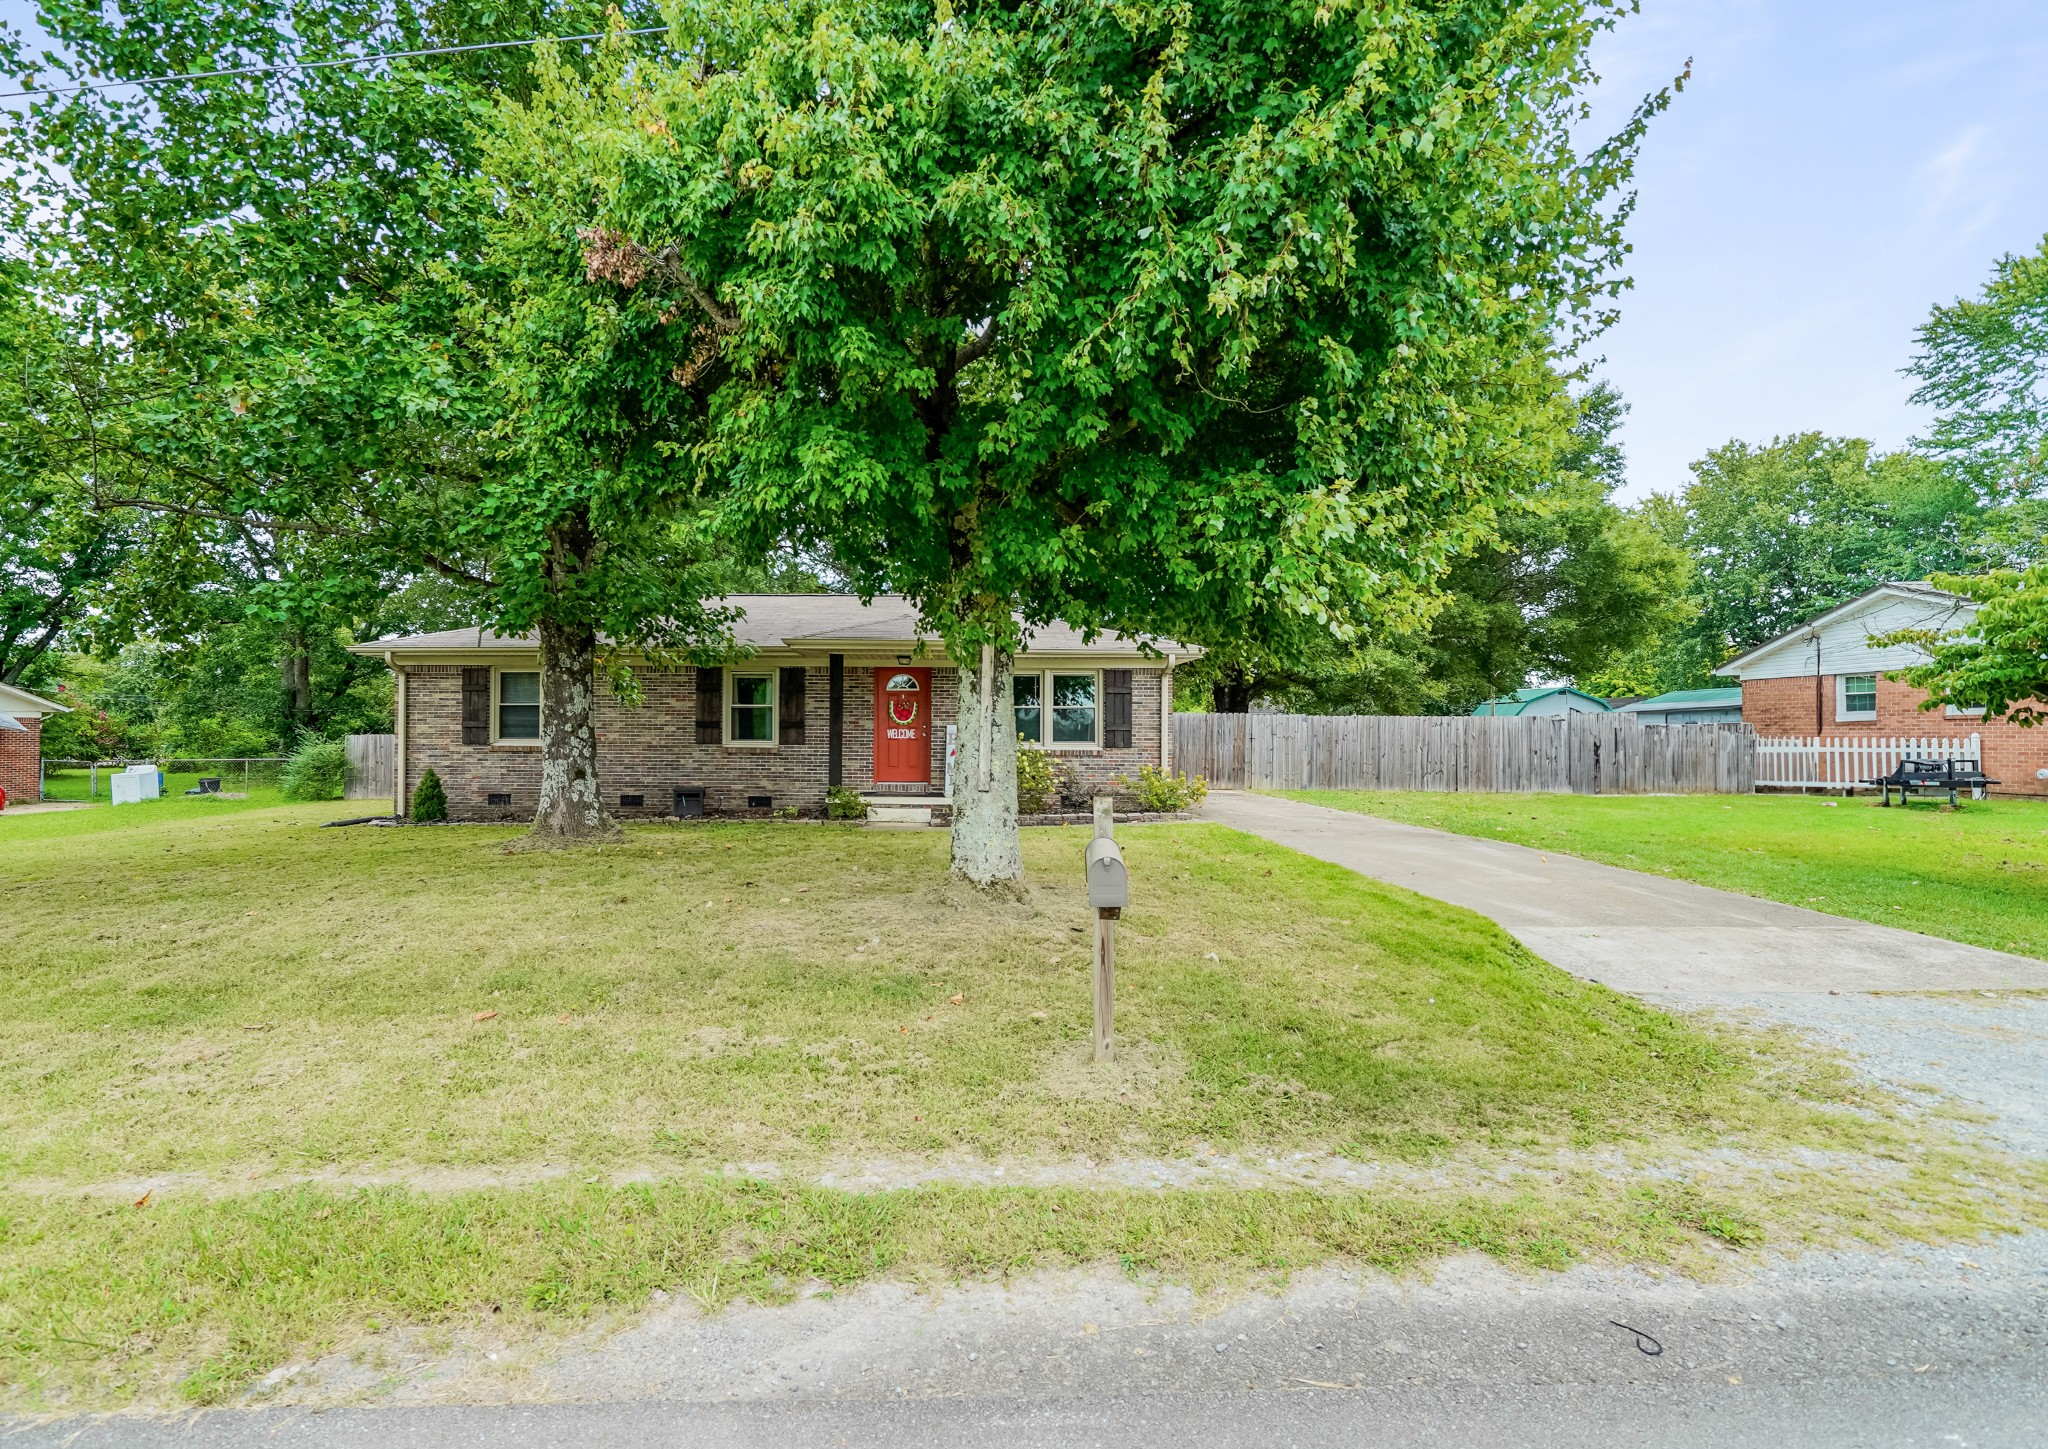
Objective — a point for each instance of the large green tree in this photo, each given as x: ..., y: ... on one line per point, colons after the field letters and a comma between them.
x: 358, y: 377
x: 1142, y: 317
x: 1567, y: 586
x: 1982, y: 365
x: 1776, y: 533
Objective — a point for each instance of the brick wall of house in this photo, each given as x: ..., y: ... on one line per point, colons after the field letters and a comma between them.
x: 19, y: 756
x: 1779, y: 707
x: 652, y: 749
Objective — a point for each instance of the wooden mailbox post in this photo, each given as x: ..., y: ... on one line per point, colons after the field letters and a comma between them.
x: 1109, y: 891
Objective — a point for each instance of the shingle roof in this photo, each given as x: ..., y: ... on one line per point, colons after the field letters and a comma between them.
x: 771, y: 621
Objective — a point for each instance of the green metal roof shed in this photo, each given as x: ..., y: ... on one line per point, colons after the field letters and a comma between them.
x: 1550, y: 699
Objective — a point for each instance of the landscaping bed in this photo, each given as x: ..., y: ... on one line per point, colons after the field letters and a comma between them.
x: 267, y: 1088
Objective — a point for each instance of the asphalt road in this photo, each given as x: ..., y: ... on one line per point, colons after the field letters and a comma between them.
x: 1943, y: 1347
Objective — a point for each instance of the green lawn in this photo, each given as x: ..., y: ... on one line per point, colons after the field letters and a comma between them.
x: 1977, y: 874
x: 579, y: 1076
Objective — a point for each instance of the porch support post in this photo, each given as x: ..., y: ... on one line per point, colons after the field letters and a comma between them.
x: 835, y: 715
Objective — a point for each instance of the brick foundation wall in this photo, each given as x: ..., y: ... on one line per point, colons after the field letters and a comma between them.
x: 20, y: 755
x: 652, y: 750
x: 1781, y: 707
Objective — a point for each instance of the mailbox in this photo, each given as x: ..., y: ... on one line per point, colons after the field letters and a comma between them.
x: 1109, y: 888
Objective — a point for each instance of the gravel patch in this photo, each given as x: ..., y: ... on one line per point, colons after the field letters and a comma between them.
x: 1987, y: 1050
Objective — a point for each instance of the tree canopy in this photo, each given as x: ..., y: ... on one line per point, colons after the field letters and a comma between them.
x: 1568, y: 585
x: 1982, y: 365
x: 358, y: 371
x: 1133, y: 317
x: 1775, y: 533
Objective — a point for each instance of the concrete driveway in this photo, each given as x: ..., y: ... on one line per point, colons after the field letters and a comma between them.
x: 1638, y: 933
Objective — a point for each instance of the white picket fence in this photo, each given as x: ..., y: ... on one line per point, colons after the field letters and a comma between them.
x: 1843, y: 762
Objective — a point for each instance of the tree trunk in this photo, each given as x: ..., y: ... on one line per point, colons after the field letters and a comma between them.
x: 1231, y: 693
x: 571, y: 807
x: 296, y: 675
x: 986, y: 848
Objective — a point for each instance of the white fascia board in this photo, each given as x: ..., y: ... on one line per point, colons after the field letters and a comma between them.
x: 1804, y: 633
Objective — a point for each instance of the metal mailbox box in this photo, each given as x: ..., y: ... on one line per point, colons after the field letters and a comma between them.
x: 1109, y: 886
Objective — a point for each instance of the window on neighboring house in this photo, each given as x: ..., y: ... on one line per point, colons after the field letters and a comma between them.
x: 1073, y: 709
x: 750, y: 712
x: 1966, y: 711
x: 518, y: 704
x: 1858, y: 698
x: 1028, y: 690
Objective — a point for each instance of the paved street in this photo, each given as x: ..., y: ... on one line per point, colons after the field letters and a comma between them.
x: 1941, y: 1348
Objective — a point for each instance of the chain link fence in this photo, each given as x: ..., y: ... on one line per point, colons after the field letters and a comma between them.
x: 87, y: 779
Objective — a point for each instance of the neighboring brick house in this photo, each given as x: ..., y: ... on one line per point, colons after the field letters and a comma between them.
x: 21, y: 742
x: 1827, y: 678
x: 831, y: 692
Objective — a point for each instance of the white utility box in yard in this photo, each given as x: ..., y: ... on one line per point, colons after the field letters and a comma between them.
x: 136, y: 784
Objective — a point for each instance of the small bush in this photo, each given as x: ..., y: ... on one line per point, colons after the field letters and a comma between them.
x: 317, y: 770
x: 844, y: 803
x: 429, y: 800
x: 1164, y: 792
x: 1038, y: 780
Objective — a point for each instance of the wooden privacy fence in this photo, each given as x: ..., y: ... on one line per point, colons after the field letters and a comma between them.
x: 1843, y: 762
x: 372, y: 767
x: 1582, y: 754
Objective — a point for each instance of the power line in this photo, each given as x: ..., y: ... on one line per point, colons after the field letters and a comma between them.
x: 155, y: 80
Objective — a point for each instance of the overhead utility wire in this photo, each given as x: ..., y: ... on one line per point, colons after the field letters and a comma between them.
x: 157, y: 80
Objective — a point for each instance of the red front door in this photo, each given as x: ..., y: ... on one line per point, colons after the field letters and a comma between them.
x: 903, y: 726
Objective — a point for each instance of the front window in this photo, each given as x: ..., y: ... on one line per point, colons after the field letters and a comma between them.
x: 1073, y: 709
x: 1028, y: 690
x: 752, y: 715
x: 1859, y: 696
x: 518, y: 705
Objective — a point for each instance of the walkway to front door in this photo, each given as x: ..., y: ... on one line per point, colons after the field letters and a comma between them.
x: 903, y: 726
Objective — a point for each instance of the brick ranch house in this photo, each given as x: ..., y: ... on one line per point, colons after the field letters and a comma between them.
x: 832, y: 692
x: 21, y: 742
x: 1826, y: 677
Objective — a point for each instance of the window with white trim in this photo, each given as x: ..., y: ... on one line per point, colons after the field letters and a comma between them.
x: 517, y: 712
x: 1058, y: 709
x: 1856, y: 697
x: 1966, y: 711
x: 1074, y: 713
x: 1028, y: 693
x: 750, y: 710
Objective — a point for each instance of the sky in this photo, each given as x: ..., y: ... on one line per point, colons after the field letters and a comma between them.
x: 1833, y: 170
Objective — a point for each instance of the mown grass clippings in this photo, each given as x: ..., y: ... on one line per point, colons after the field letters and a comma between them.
x: 252, y: 994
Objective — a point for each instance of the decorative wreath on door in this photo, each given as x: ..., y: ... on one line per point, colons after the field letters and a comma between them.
x: 903, y: 710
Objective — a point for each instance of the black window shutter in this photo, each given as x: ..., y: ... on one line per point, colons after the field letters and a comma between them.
x: 1116, y: 709
x: 792, y: 710
x: 710, y: 705
x: 476, y: 705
